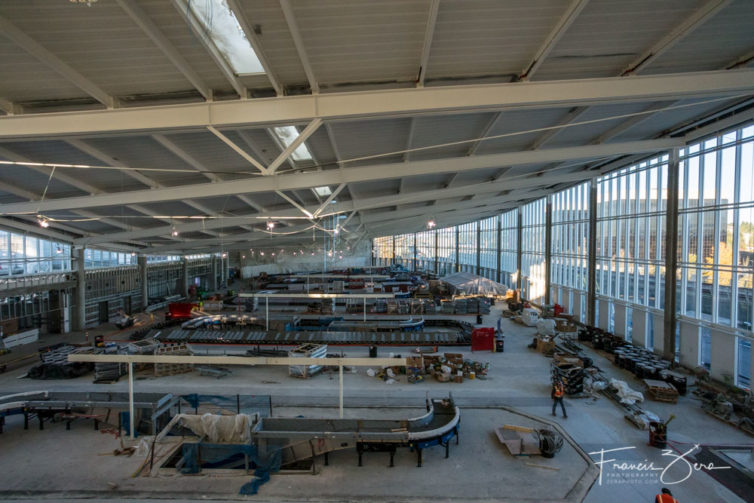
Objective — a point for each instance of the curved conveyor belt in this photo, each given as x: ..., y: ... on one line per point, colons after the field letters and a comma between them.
x: 303, y: 438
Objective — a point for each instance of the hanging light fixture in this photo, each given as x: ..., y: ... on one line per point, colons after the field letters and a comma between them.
x: 270, y: 225
x: 431, y: 224
x: 174, y: 232
x: 43, y: 222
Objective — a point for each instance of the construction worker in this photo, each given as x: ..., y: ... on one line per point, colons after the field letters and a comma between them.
x: 665, y: 496
x: 557, y: 393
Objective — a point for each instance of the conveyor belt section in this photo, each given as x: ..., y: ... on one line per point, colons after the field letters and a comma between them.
x: 295, y: 338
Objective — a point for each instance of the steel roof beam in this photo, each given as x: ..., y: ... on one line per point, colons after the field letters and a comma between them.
x: 290, y: 19
x: 10, y: 31
x: 429, y: 32
x: 386, y: 103
x: 168, y: 49
x: 688, y: 25
x: 350, y: 175
x: 565, y: 22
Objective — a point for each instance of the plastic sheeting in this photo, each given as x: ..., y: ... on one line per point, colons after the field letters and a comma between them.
x: 471, y: 284
x: 219, y: 429
x: 626, y: 394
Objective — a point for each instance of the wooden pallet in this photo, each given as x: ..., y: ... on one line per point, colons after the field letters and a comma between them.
x: 661, y: 391
x: 171, y: 369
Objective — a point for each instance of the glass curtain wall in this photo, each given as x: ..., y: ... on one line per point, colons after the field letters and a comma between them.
x: 404, y: 249
x: 425, y: 250
x: 467, y: 246
x: 630, y: 269
x: 446, y: 250
x: 21, y: 255
x: 488, y: 239
x: 716, y: 249
x: 509, y: 248
x: 94, y: 258
x: 533, y: 229
x: 570, y: 248
x: 383, y: 250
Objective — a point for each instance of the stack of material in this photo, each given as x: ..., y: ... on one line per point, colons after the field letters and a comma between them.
x: 55, y: 364
x: 307, y: 351
x: 570, y: 371
x: 428, y: 306
x: 169, y: 369
x: 447, y: 307
x: 461, y: 306
x: 661, y: 391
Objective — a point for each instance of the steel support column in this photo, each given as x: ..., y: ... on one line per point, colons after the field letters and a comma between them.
x: 478, y: 245
x: 548, y: 250
x: 519, y: 235
x: 213, y: 278
x: 143, y: 281
x: 78, y: 256
x: 437, y: 252
x: 498, y: 260
x: 414, y: 268
x: 671, y: 258
x: 457, y: 267
x: 591, y: 291
x: 184, y: 277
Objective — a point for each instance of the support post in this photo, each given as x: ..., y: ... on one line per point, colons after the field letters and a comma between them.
x: 213, y: 279
x: 671, y: 257
x: 365, y: 309
x: 457, y: 261
x: 80, y: 289
x: 548, y: 249
x: 478, y: 245
x: 591, y: 289
x: 519, y: 236
x: 498, y: 274
x: 340, y: 391
x: 131, y: 399
x: 437, y: 246
x: 143, y: 280
x: 184, y: 277
x: 266, y: 313
x: 392, y: 255
x: 414, y: 263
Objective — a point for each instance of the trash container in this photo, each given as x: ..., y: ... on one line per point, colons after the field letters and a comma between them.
x: 479, y: 319
x: 372, y: 351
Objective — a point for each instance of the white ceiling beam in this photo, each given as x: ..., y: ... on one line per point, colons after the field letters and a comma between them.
x: 570, y: 117
x: 333, y: 144
x: 256, y: 44
x: 633, y: 121
x: 148, y: 26
x: 36, y: 230
x: 185, y: 157
x: 429, y: 32
x: 688, y: 25
x: 329, y: 199
x: 10, y: 107
x: 386, y: 103
x: 237, y: 149
x: 351, y: 175
x: 565, y: 22
x: 111, y: 161
x: 209, y: 45
x: 301, y: 138
x: 250, y: 202
x: 290, y: 19
x: 296, y: 205
x: 11, y: 32
x: 485, y: 132
x: 522, y: 182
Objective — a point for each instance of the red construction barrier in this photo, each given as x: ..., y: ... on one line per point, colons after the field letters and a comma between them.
x: 179, y: 311
x: 483, y: 339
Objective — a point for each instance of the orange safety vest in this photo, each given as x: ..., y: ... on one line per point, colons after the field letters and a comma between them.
x: 665, y: 498
x: 559, y: 394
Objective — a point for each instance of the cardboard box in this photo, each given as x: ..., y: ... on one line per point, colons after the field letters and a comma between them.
x: 458, y: 379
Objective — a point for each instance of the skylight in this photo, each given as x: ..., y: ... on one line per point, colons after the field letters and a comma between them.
x: 323, y: 191
x: 222, y: 27
x: 287, y: 135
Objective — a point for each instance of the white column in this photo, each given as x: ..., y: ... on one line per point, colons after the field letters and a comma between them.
x: 267, y: 313
x: 340, y: 393
x: 131, y: 399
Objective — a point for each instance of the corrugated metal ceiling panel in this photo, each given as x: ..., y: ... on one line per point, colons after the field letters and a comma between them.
x: 489, y: 37
x: 363, y: 40
x: 608, y: 35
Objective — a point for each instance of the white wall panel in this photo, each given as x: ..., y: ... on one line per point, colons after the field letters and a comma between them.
x: 639, y: 332
x: 689, y: 344
x: 659, y: 330
x: 620, y: 320
x: 722, y: 354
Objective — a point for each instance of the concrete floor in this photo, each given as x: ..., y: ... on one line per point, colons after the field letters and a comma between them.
x: 478, y: 469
